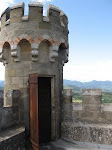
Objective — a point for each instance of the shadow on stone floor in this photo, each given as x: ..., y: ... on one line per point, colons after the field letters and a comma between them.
x: 49, y: 147
x: 46, y: 147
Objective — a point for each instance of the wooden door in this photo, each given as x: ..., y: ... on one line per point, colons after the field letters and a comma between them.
x: 34, y: 135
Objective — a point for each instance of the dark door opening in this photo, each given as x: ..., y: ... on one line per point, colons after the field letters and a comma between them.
x: 44, y: 98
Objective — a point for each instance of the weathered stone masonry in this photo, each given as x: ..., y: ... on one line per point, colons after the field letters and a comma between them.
x: 39, y: 44
x: 31, y: 44
x: 91, y: 122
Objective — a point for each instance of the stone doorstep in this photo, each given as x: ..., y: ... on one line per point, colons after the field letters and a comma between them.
x: 11, y: 132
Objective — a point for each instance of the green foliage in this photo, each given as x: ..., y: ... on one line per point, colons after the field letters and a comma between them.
x: 75, y: 89
x: 77, y: 94
x: 106, y: 97
x: 76, y: 97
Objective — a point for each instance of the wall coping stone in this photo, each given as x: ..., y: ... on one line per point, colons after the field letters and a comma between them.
x: 24, y: 18
x: 39, y: 4
x: 18, y: 5
x: 46, y: 19
x: 49, y: 6
x: 63, y: 14
x: 92, y: 92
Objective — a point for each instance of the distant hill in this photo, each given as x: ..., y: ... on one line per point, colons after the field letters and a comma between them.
x: 75, y: 89
x: 1, y: 82
x: 77, y: 85
x: 1, y: 85
x: 104, y: 85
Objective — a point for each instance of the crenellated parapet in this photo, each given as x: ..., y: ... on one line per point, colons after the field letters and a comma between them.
x: 35, y: 28
x: 15, y: 14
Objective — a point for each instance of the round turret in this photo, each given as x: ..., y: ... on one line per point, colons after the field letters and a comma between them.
x: 32, y: 44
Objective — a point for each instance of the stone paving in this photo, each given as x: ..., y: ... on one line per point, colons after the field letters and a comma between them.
x: 63, y: 145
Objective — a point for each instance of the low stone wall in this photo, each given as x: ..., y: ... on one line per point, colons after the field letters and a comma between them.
x: 9, y: 115
x: 90, y: 122
x: 12, y: 139
x: 101, y: 134
x: 77, y: 106
x: 67, y: 105
x: 107, y: 107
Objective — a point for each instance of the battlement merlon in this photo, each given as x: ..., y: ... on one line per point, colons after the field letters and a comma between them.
x: 91, y: 92
x: 15, y: 14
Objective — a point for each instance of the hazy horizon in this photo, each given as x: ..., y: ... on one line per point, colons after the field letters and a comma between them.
x: 83, y: 81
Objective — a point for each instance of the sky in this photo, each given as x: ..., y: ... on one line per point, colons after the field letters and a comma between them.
x: 90, y: 37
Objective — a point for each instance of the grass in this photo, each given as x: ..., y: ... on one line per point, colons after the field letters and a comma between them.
x: 106, y: 97
x: 76, y: 101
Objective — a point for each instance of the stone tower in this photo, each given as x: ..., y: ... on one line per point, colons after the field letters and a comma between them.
x: 35, y: 44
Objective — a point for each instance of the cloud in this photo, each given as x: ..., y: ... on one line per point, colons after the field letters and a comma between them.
x: 44, y: 1
x: 4, y: 4
x: 100, y: 71
x: 44, y: 12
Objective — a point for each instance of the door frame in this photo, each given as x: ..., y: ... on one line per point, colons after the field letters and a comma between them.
x: 53, y: 112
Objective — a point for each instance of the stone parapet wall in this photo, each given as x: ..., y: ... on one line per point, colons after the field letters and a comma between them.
x: 91, y: 109
x: 107, y: 107
x: 12, y: 139
x: 93, y: 117
x: 88, y: 133
x: 91, y: 100
x: 9, y: 115
x: 91, y: 121
x: 67, y: 105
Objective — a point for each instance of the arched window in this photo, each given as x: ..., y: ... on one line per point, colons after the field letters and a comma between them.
x: 24, y: 48
x: 44, y: 51
x: 7, y: 53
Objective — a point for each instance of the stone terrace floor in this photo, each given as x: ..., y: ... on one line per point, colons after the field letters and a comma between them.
x: 63, y: 145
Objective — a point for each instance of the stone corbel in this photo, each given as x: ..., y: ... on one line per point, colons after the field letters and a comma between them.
x: 65, y: 60
x: 15, y: 52
x: 2, y: 59
x: 53, y: 53
x: 7, y: 22
x: 34, y: 52
x: 66, y: 56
